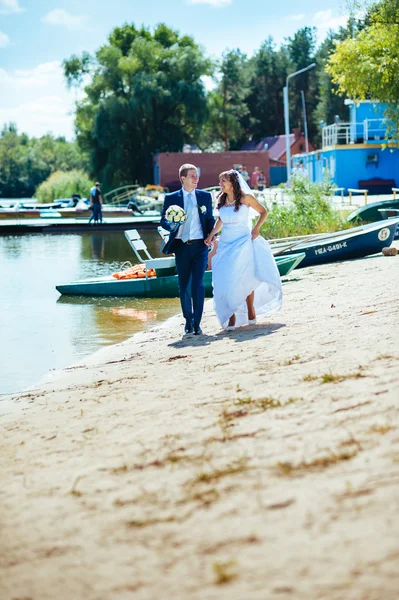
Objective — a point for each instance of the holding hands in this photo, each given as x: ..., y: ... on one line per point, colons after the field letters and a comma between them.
x: 208, y: 241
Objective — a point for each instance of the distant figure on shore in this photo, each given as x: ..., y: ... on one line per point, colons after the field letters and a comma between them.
x: 96, y: 201
x: 246, y: 281
x: 186, y: 241
x: 245, y: 174
x: 299, y: 170
x: 261, y: 181
x: 254, y: 178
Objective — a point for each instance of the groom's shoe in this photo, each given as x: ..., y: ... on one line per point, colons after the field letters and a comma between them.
x: 197, y: 330
x: 188, y: 328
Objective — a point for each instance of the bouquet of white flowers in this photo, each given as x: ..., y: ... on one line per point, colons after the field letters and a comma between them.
x: 175, y: 214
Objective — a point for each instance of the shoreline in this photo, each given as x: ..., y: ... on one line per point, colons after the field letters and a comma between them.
x: 12, y: 399
x: 257, y: 463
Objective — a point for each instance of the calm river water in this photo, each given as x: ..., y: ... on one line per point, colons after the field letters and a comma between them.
x: 39, y: 329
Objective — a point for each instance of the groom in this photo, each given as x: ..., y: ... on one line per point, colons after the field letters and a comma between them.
x: 187, y: 243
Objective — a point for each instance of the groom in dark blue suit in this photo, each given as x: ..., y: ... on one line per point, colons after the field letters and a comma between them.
x: 187, y: 243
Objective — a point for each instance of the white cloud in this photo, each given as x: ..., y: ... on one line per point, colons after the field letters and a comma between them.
x: 297, y: 17
x: 4, y: 40
x: 215, y: 3
x: 46, y: 114
x: 37, y: 100
x: 43, y: 74
x: 9, y: 6
x: 59, y: 16
x: 324, y: 21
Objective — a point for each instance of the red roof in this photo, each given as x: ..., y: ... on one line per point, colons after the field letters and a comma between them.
x: 276, y: 145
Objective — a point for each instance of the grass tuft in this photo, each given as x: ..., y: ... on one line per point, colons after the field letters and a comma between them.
x: 330, y: 378
x: 239, y: 466
x: 318, y: 464
x: 382, y: 429
x: 224, y: 571
x: 139, y: 524
x: 310, y: 378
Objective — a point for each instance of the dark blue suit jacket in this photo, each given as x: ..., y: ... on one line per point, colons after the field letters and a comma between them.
x: 204, y: 199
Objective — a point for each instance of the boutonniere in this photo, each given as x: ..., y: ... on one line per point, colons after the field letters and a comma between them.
x: 203, y: 209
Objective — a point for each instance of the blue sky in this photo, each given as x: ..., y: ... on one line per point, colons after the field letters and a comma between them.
x: 36, y: 35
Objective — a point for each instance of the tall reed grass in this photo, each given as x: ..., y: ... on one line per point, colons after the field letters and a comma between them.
x: 309, y: 210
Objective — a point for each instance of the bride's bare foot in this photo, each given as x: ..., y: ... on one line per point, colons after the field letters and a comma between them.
x: 232, y: 321
x: 251, y: 315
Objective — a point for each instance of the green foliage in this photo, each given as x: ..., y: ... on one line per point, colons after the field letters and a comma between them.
x: 301, y: 50
x: 145, y: 95
x: 330, y: 102
x: 63, y: 184
x: 309, y: 211
x: 268, y: 69
x: 26, y: 162
x: 227, y: 105
x: 366, y: 65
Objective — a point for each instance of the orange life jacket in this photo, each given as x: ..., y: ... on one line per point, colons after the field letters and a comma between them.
x: 136, y: 272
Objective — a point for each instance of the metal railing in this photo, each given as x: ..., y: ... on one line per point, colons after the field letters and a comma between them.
x: 350, y: 133
x: 120, y: 196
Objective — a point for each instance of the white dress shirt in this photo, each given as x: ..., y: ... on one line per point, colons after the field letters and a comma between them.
x: 196, y: 232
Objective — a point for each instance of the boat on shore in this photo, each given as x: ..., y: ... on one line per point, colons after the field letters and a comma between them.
x: 86, y: 213
x: 347, y: 244
x: 376, y: 211
x: 29, y: 209
x: 161, y: 286
x: 372, y: 212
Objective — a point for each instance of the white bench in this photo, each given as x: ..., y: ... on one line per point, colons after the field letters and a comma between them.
x: 356, y: 191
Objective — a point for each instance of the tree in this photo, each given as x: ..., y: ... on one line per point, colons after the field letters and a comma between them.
x: 26, y: 162
x: 366, y: 65
x: 62, y: 184
x: 227, y: 105
x: 145, y: 95
x: 301, y: 50
x: 331, y: 103
x: 268, y: 69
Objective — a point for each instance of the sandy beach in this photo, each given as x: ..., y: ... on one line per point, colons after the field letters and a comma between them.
x: 255, y: 464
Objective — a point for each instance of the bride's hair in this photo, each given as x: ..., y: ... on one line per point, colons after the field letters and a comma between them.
x: 237, y: 191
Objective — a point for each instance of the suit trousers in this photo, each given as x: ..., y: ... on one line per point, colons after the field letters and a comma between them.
x: 191, y: 263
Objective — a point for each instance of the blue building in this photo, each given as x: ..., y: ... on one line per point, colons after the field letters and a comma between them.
x: 355, y: 153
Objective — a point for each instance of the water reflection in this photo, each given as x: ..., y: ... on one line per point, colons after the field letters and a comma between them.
x: 43, y: 330
x: 97, y: 243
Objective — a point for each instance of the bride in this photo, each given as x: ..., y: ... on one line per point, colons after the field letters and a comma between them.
x: 246, y: 281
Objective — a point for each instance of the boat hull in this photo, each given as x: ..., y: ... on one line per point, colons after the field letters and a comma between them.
x: 86, y: 214
x: 371, y: 212
x: 359, y: 242
x: 19, y: 214
x: 154, y: 287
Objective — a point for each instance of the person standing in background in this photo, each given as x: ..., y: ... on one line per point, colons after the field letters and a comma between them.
x: 96, y: 201
x: 299, y: 170
x: 254, y: 178
x: 245, y: 174
x: 261, y: 181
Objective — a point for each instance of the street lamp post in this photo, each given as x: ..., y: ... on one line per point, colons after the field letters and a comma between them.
x: 287, y: 118
x: 305, y: 122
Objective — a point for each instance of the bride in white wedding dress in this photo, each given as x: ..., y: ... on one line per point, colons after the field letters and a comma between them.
x: 246, y: 281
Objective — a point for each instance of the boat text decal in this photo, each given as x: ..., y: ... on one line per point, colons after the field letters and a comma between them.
x: 331, y: 248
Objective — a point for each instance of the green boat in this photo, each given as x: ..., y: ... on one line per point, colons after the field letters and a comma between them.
x: 164, y: 286
x: 370, y: 213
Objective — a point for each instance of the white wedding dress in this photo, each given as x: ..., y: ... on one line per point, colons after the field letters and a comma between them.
x: 240, y: 266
